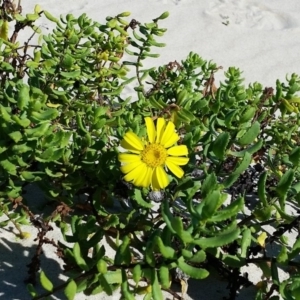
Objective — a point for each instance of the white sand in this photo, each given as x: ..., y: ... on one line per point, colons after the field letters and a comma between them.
x: 261, y: 38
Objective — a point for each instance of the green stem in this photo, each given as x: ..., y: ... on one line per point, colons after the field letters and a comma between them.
x: 17, y: 226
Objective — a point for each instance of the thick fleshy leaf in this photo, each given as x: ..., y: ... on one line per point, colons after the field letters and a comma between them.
x: 169, y: 135
x: 132, y: 141
x: 177, y: 171
x: 150, y: 129
x: 178, y: 150
x: 129, y: 167
x: 126, y: 158
x: 160, y: 127
x: 180, y: 161
x: 159, y: 178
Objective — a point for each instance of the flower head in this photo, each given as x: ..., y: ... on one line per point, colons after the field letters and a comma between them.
x: 145, y: 162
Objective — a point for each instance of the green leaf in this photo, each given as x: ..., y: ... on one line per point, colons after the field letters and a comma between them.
x: 250, y: 134
x: 78, y: 257
x: 242, y: 166
x: 283, y: 214
x: 252, y: 149
x: 107, y: 287
x: 263, y: 213
x: 218, y: 240
x: 70, y: 290
x: 32, y: 64
x: 51, y: 154
x: 295, y: 156
x: 274, y: 272
x: 23, y: 97
x: 16, y: 136
x: 283, y: 186
x: 181, y: 96
x: 47, y: 115
x: 50, y: 17
x: 37, y: 131
x: 198, y: 257
x: 138, y: 197
x: 67, y: 61
x: 73, y: 74
x: 124, y: 14
x: 245, y: 242
x: 166, y: 251
x: 248, y: 114
x: 113, y: 277
x: 185, y: 115
x: 164, y: 277
x: 233, y: 261
x: 31, y: 176
x: 112, y: 221
x: 45, y: 282
x: 137, y: 273
x: 156, y: 290
x: 156, y: 44
x: 5, y: 113
x: 123, y: 254
x: 149, y: 254
x: 193, y: 272
x: 31, y: 290
x: 167, y: 216
x: 220, y: 144
x: 283, y: 257
x: 156, y: 104
x: 229, y: 211
x: 125, y: 287
x: 23, y: 122
x: 51, y: 174
x: 177, y: 226
x: 211, y: 204
x: 295, y: 249
x: 102, y: 266
x: 8, y: 166
x: 163, y: 16
x: 209, y: 184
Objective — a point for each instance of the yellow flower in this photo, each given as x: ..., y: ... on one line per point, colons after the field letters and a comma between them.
x: 146, y: 163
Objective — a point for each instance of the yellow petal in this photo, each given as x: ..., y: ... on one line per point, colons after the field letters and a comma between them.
x: 126, y: 158
x: 148, y: 177
x: 160, y: 127
x: 150, y: 129
x: 159, y: 178
x: 132, y: 142
x: 144, y: 179
x: 178, y: 150
x: 139, y: 179
x: 177, y: 171
x: 173, y: 138
x: 134, y: 174
x: 180, y: 161
x: 129, y: 167
x: 168, y: 133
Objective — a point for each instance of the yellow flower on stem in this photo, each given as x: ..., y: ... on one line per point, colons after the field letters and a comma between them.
x: 145, y: 162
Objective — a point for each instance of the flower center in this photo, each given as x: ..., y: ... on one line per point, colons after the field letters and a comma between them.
x: 154, y: 155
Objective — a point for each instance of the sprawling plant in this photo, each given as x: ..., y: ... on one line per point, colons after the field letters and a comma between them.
x: 105, y: 157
